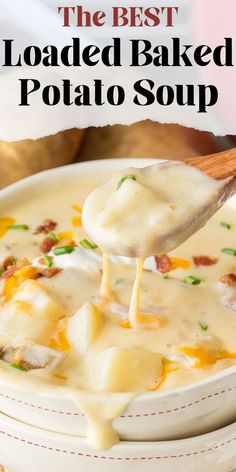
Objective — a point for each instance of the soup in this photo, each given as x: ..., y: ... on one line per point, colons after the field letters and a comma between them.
x: 59, y: 328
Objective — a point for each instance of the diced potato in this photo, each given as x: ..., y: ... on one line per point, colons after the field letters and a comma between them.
x: 128, y: 370
x: 31, y: 314
x: 83, y: 327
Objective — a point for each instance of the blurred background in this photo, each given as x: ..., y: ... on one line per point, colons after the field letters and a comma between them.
x: 143, y: 139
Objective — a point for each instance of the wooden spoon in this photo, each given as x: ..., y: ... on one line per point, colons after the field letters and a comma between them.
x: 219, y: 166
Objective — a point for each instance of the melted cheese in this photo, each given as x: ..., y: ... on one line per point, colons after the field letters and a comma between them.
x: 105, y: 284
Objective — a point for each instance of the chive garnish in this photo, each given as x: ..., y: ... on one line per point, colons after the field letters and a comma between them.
x: 53, y: 236
x: 229, y: 251
x: 19, y: 227
x: 166, y: 277
x: 192, y: 280
x: 59, y: 251
x: 123, y: 179
x: 225, y: 225
x: 18, y: 367
x: 48, y: 260
x: 203, y: 326
x: 87, y: 244
x: 119, y: 281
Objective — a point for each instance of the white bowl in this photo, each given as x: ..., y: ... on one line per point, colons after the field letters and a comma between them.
x: 26, y: 449
x: 178, y: 413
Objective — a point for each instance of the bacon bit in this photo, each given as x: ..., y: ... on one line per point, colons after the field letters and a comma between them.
x: 228, y: 279
x: 46, y: 245
x: 76, y: 221
x: 67, y: 242
x: 50, y: 272
x: 14, y: 268
x: 163, y: 263
x: 7, y: 263
x: 15, y: 276
x: 47, y: 226
x: 204, y: 260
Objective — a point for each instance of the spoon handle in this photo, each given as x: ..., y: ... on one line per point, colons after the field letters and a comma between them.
x: 219, y: 166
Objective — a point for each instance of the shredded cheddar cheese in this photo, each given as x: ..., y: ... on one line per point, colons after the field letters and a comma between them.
x: 59, y: 340
x: 10, y: 285
x: 28, y: 272
x: 126, y: 324
x: 5, y: 222
x: 168, y: 368
x: 206, y: 357
x: 76, y: 221
x: 65, y: 235
x: 77, y: 208
x: 178, y: 263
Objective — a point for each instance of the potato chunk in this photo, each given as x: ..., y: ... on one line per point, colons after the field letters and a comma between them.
x: 31, y: 314
x: 83, y: 327
x: 128, y: 370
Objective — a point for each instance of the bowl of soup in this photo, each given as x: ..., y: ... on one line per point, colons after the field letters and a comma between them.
x: 70, y: 360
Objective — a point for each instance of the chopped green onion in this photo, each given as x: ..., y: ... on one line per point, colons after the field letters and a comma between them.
x: 48, y: 260
x: 229, y: 251
x: 119, y: 281
x: 203, y: 326
x: 225, y: 225
x: 18, y: 367
x: 166, y: 277
x: 19, y: 227
x: 191, y: 280
x: 87, y: 244
x: 53, y: 236
x: 59, y: 251
x: 123, y: 179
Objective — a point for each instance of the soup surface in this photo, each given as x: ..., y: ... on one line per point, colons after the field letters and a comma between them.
x: 60, y: 328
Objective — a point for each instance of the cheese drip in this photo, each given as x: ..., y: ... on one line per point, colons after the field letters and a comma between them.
x: 135, y: 297
x: 105, y: 289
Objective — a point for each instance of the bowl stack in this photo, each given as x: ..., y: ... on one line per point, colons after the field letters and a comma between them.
x: 54, y: 439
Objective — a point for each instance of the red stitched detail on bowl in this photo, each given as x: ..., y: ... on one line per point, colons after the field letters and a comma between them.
x: 110, y: 458
x: 138, y: 415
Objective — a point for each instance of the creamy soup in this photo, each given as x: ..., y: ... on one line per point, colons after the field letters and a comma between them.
x: 142, y: 212
x: 64, y: 313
